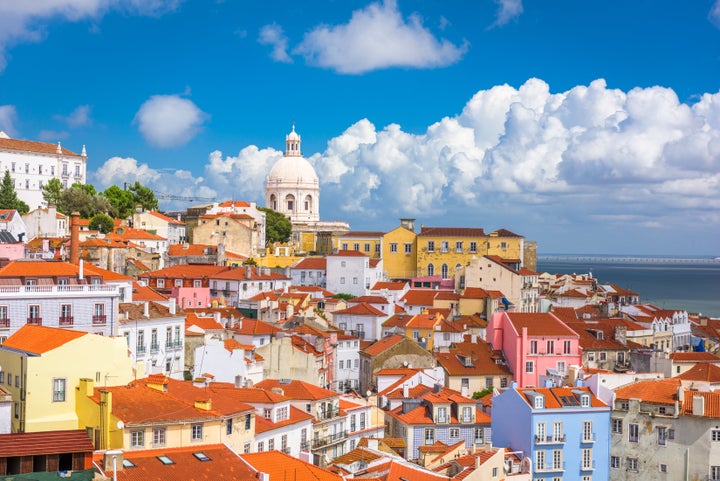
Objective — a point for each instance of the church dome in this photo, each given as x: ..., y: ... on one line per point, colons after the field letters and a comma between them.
x: 292, y: 170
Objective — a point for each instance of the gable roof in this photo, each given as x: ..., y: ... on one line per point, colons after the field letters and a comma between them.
x: 701, y: 372
x: 32, y: 146
x: 383, y: 344
x: 311, y: 263
x: 283, y: 467
x: 362, y: 309
x: 295, y: 389
x: 41, y: 339
x: 419, y: 297
x: 539, y: 324
x: 45, y: 443
x: 659, y: 391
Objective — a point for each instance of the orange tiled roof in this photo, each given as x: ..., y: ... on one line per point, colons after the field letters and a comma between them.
x: 540, y: 324
x: 348, y: 253
x: 283, y: 467
x: 167, y: 219
x: 256, y: 327
x: 482, y: 360
x: 451, y: 232
x: 32, y: 146
x: 204, y: 323
x: 390, y: 286
x: 41, y: 339
x: 702, y: 372
x: 694, y: 357
x: 295, y: 416
x: 383, y: 344
x: 179, y: 250
x: 145, y: 293
x: 711, y: 403
x: 554, y: 395
x: 659, y: 391
x: 297, y: 390
x: 222, y: 464
x: 315, y: 263
x: 419, y: 297
x: 362, y: 309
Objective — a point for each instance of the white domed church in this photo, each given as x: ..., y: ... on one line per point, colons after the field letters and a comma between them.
x: 293, y: 189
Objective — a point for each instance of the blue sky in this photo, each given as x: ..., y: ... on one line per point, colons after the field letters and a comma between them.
x: 590, y: 127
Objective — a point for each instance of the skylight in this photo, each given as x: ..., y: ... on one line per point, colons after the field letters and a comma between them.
x: 165, y: 460
x: 128, y: 464
x: 201, y: 456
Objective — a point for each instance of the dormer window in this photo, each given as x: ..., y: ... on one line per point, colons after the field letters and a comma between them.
x: 539, y: 402
x: 585, y: 400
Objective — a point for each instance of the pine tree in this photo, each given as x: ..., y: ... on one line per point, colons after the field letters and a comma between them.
x: 8, y: 196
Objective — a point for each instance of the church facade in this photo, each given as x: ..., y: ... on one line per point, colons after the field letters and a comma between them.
x: 292, y: 188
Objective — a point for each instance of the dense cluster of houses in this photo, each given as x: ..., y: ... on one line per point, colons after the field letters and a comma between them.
x: 180, y: 346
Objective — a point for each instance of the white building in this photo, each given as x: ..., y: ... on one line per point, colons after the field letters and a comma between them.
x: 349, y: 272
x: 45, y: 222
x: 347, y: 363
x: 173, y: 230
x: 33, y: 164
x: 11, y: 221
x: 58, y: 294
x: 156, y: 337
x: 228, y: 361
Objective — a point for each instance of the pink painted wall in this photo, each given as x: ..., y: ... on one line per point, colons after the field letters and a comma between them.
x: 191, y: 297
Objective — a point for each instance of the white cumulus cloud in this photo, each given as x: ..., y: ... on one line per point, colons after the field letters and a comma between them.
x: 714, y: 14
x: 25, y: 21
x: 507, y: 10
x: 377, y: 37
x: 77, y: 118
x: 169, y: 120
x: 274, y: 36
x: 8, y: 119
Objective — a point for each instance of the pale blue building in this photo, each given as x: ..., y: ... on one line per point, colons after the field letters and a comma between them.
x: 563, y: 432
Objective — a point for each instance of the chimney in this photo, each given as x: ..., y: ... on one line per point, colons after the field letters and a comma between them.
x: 373, y: 443
x: 75, y: 238
x: 477, y: 460
x: 81, y: 271
x: 113, y: 460
x: 146, y: 309
x: 173, y: 305
x: 238, y: 381
x: 248, y: 272
x: 87, y: 386
x: 406, y: 391
x: 698, y: 405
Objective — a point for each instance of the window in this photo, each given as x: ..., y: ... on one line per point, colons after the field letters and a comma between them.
x: 430, y: 270
x: 431, y: 246
x: 393, y: 247
x: 633, y: 432
x: 663, y: 468
x: 271, y: 444
x: 366, y: 247
x: 467, y: 414
x: 377, y: 248
x: 153, y: 339
x: 341, y: 364
x: 247, y: 421
x: 228, y: 426
x: 567, y: 346
x: 632, y: 464
x: 458, y: 247
x: 558, y: 431
x: 408, y: 248
x: 587, y: 434
x: 557, y: 459
x: 662, y: 436
x: 529, y: 367
x: 585, y: 400
x: 284, y: 443
x: 561, y: 367
x: 58, y: 390
x: 197, y: 432
x: 444, y: 246
x: 540, y: 432
x: 34, y: 314
x: 587, y: 458
x: 602, y: 356
x: 429, y: 436
x: 159, y: 436
x: 342, y: 280
x: 444, y: 271
x: 260, y: 447
x: 356, y: 246
x: 624, y: 405
x: 137, y: 438
x: 615, y: 462
x: 539, y: 402
x: 488, y: 382
x: 714, y: 472
x: 267, y: 413
x: 442, y: 415
x: 533, y: 347
x: 473, y: 247
x: 540, y: 460
x: 161, y: 283
x: 617, y: 425
x: 715, y: 435
x: 454, y: 433
x: 503, y: 382
x: 344, y: 247
x: 246, y: 447
x: 550, y: 347
x: 355, y: 280
x: 479, y: 435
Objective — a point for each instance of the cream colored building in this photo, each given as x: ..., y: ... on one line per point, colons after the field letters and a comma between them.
x: 292, y: 188
x: 519, y: 285
x: 42, y: 366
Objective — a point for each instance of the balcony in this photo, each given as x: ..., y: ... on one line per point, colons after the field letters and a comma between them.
x: 591, y: 439
x: 173, y: 345
x: 154, y: 347
x: 99, y: 319
x: 552, y: 439
x: 4, y: 323
x: 304, y: 445
x: 587, y: 467
x: 327, y: 414
x: 141, y: 350
x: 60, y: 290
x: 329, y: 440
x: 553, y: 468
x: 66, y: 320
x: 35, y: 321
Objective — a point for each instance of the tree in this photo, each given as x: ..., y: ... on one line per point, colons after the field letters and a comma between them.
x: 277, y: 227
x: 51, y: 192
x: 103, y: 223
x: 343, y: 296
x: 143, y: 196
x: 8, y: 196
x: 121, y: 201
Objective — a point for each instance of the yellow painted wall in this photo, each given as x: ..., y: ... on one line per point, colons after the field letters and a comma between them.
x: 400, y: 265
x: 83, y: 357
x: 506, y: 247
x: 366, y: 245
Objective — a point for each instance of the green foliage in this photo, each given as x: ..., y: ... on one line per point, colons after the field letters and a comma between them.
x: 343, y: 296
x: 143, y: 196
x: 484, y: 392
x: 8, y: 196
x: 122, y: 202
x: 51, y: 192
x: 102, y: 222
x: 250, y: 262
x: 277, y: 227
x: 79, y: 198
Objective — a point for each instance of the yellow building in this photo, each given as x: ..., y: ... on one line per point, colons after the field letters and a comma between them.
x: 399, y: 251
x: 42, y: 366
x: 369, y: 243
x: 159, y: 412
x: 443, y: 250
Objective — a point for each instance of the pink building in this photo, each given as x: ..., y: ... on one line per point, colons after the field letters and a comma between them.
x: 191, y: 297
x: 537, y: 345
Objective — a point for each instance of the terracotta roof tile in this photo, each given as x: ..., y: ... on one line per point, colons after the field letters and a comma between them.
x: 314, y: 263
x: 419, y: 297
x: 383, y: 344
x: 32, y: 146
x: 540, y: 324
x: 41, y: 339
x: 390, y: 286
x: 283, y: 467
x: 659, y: 391
x: 297, y: 390
x: 45, y: 443
x: 711, y: 403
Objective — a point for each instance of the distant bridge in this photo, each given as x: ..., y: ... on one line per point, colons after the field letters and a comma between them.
x: 590, y: 259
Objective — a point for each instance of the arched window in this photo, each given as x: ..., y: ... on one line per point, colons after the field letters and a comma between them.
x: 457, y: 267
x: 273, y: 202
x: 290, y: 202
x: 444, y: 271
x: 431, y: 270
x: 308, y: 203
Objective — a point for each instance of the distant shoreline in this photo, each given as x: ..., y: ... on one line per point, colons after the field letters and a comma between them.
x: 627, y: 259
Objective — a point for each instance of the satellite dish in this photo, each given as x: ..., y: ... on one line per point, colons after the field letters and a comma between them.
x: 120, y: 424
